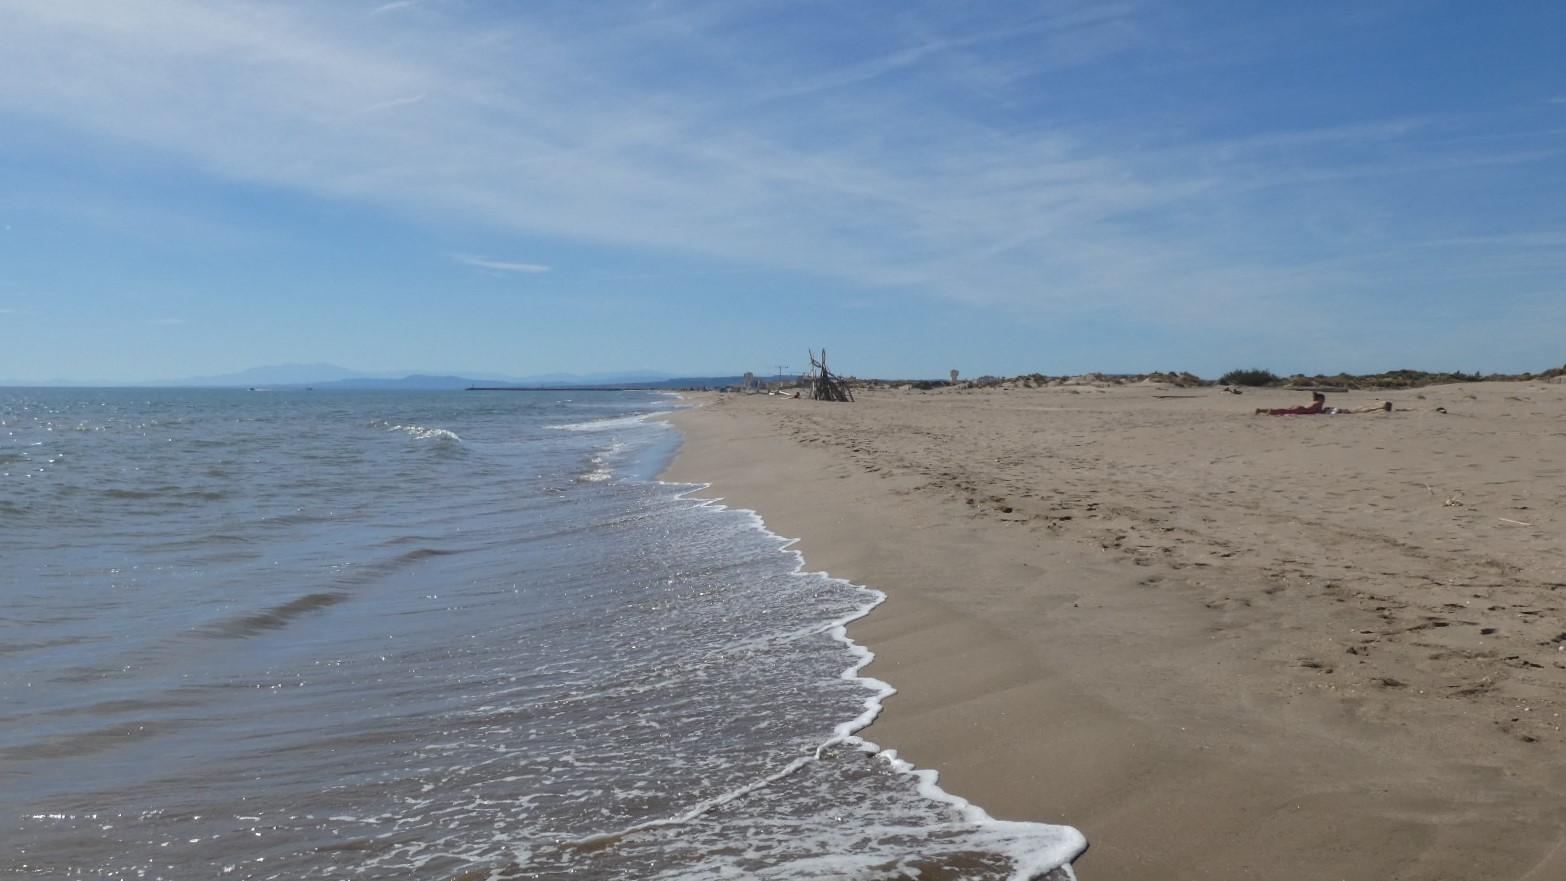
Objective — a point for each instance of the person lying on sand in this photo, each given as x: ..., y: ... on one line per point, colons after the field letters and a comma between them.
x: 1383, y: 407
x: 1318, y: 407
x: 1318, y: 404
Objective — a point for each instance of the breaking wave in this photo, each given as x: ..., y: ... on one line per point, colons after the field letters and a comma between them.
x: 423, y: 432
x: 611, y: 424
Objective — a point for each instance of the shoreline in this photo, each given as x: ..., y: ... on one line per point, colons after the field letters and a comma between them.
x: 1057, y: 845
x: 1188, y: 726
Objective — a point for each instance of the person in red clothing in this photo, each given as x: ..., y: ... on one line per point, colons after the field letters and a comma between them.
x: 1318, y: 404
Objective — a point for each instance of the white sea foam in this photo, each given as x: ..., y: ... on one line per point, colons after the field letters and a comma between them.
x: 611, y: 424
x: 601, y: 463
x: 1033, y: 850
x: 423, y: 432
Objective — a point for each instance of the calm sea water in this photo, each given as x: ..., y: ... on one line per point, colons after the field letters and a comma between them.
x: 289, y: 635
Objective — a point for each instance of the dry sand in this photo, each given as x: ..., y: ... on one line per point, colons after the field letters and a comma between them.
x: 1224, y: 646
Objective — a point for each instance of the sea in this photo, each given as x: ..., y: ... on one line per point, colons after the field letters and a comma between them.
x: 296, y: 634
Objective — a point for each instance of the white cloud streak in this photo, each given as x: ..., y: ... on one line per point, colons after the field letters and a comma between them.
x: 500, y: 265
x: 580, y: 130
x: 393, y: 6
x: 394, y: 102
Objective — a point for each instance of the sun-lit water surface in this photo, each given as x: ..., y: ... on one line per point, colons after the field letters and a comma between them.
x: 303, y: 634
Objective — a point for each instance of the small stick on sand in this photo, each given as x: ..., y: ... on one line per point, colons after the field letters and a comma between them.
x: 1513, y: 522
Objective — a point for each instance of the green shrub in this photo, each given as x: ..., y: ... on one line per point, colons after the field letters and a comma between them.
x: 1254, y: 376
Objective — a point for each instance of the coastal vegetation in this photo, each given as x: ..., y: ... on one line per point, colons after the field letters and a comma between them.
x: 1252, y: 377
x: 1390, y: 379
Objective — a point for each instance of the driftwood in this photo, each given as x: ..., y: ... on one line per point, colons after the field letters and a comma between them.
x: 824, y: 384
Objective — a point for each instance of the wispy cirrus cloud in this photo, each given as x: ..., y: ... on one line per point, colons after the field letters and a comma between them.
x: 552, y: 129
x: 390, y: 103
x: 969, y: 154
x: 500, y: 265
x: 393, y: 6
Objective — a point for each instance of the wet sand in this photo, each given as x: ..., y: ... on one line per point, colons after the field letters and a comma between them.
x: 1222, y: 645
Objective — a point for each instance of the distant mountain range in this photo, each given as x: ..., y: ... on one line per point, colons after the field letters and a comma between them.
x: 277, y: 374
x: 331, y: 376
x: 553, y: 380
x: 342, y: 377
x: 677, y: 382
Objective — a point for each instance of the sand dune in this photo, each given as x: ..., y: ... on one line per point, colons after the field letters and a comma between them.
x: 1222, y: 645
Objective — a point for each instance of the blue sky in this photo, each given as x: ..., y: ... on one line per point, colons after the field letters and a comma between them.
x: 191, y: 188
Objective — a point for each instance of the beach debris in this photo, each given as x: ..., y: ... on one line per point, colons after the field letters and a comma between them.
x: 1453, y: 501
x: 824, y: 384
x: 1513, y: 522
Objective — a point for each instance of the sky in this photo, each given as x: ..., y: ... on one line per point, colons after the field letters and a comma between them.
x: 702, y: 188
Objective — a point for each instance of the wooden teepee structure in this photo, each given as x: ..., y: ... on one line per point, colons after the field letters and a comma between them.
x: 824, y: 384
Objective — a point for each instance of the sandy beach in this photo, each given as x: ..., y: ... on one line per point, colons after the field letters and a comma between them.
x: 1224, y: 646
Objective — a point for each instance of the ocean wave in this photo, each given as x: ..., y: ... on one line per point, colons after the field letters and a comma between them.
x: 611, y: 424
x: 85, y: 743
x: 599, y: 469
x: 274, y: 618
x: 367, y: 573
x: 136, y: 494
x: 166, y: 492
x: 424, y: 432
